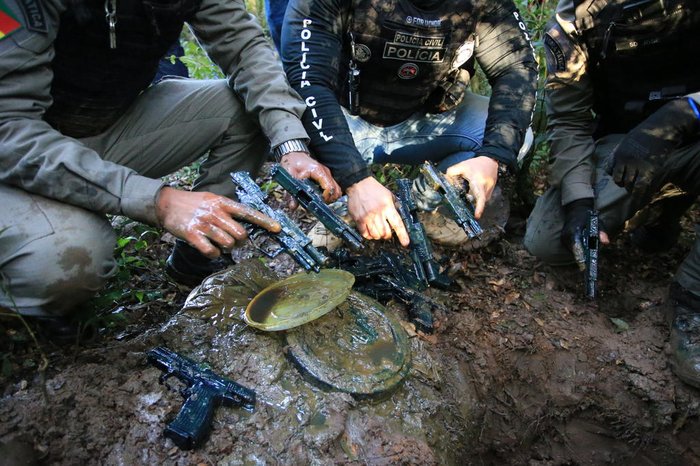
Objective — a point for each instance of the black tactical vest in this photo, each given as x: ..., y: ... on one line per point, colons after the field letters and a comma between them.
x: 403, y: 52
x: 642, y: 53
x: 94, y: 84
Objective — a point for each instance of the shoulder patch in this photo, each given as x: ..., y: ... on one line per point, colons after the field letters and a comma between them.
x: 565, y: 58
x: 556, y: 61
x: 34, y: 16
x: 8, y: 23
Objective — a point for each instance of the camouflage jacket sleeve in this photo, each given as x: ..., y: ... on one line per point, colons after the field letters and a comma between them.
x: 35, y: 157
x: 506, y: 55
x: 312, y: 42
x: 234, y: 40
x: 569, y: 103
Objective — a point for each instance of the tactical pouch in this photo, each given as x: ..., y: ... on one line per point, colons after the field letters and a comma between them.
x: 449, y: 92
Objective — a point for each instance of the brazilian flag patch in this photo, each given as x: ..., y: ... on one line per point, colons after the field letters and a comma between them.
x: 8, y: 23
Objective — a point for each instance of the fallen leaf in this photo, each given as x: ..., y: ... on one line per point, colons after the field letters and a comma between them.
x: 620, y: 325
x: 510, y: 297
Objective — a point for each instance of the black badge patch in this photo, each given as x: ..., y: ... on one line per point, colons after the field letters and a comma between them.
x: 408, y: 71
x: 556, y: 61
x: 34, y: 15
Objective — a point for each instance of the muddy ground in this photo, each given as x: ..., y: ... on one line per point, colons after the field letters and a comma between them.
x: 521, y: 370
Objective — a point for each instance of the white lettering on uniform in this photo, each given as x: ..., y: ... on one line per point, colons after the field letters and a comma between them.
x: 522, y: 27
x: 310, y: 102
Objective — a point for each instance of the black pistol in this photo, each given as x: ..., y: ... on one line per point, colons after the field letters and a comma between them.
x: 421, y: 250
x: 291, y: 239
x: 312, y: 201
x: 204, y: 391
x: 462, y: 212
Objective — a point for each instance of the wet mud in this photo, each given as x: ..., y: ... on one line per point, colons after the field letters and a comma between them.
x: 520, y: 370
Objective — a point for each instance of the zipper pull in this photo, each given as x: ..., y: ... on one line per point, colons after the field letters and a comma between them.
x: 606, y: 41
x: 111, y: 18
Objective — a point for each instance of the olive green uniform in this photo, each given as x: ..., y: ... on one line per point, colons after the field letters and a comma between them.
x: 579, y: 167
x: 55, y: 242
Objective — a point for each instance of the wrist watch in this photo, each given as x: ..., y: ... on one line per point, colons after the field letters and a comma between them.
x: 293, y: 145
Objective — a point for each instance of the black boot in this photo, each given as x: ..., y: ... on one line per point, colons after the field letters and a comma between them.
x: 60, y: 330
x: 685, y: 334
x: 188, y: 266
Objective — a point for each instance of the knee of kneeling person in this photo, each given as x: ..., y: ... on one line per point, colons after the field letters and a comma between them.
x: 61, y: 271
x: 548, y: 250
x: 85, y: 263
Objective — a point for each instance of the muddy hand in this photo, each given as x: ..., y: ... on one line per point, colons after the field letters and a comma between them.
x: 301, y: 166
x: 481, y: 173
x: 371, y: 205
x: 206, y: 220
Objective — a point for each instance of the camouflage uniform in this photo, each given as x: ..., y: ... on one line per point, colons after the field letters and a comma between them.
x: 581, y: 151
x: 55, y: 241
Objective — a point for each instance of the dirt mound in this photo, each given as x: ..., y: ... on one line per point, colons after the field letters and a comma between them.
x: 519, y: 371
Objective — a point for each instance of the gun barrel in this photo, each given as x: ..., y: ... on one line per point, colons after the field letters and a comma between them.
x: 460, y: 209
x: 425, y: 266
x: 292, y: 240
x: 310, y: 199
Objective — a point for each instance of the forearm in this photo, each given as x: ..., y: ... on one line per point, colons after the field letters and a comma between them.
x: 311, y: 50
x: 507, y: 58
x: 39, y: 159
x: 235, y: 41
x: 42, y: 161
x: 569, y: 98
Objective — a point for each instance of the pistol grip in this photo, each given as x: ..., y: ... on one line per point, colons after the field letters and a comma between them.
x: 193, y: 422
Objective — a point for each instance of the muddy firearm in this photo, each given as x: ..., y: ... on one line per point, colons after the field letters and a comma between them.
x: 462, y: 212
x: 204, y: 391
x: 590, y: 249
x: 312, y: 201
x: 421, y: 251
x: 420, y: 307
x: 383, y: 277
x: 291, y: 239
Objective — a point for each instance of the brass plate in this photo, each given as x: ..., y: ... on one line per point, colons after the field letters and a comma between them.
x: 298, y: 299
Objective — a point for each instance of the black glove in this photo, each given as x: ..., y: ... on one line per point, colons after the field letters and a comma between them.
x: 643, y: 150
x: 575, y: 221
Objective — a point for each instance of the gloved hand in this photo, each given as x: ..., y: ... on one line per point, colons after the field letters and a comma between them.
x: 643, y: 150
x: 575, y: 222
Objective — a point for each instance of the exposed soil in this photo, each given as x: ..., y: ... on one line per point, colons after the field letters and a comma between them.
x: 520, y: 370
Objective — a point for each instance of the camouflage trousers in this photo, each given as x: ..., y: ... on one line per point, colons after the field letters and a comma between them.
x: 679, y: 179
x: 55, y: 256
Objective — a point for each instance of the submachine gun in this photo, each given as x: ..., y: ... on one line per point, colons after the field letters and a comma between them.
x: 384, y: 276
x: 304, y: 192
x: 425, y: 267
x: 204, y: 391
x: 291, y: 239
x: 461, y: 211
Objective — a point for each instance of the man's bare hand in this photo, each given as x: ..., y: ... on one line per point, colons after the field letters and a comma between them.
x: 301, y: 166
x: 371, y: 205
x: 206, y: 220
x: 482, y: 174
